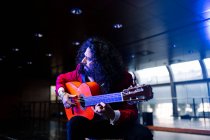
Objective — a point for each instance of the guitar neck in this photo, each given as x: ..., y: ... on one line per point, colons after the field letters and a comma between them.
x: 106, y: 98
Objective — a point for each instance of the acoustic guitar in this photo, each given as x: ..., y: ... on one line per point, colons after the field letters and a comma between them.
x: 84, y: 99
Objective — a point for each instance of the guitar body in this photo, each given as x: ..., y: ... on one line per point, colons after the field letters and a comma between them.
x: 81, y: 90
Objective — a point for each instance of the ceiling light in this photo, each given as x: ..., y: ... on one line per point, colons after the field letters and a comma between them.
x: 29, y: 62
x: 48, y: 54
x: 15, y: 49
x: 38, y: 35
x: 117, y: 26
x: 76, y: 43
x: 76, y: 11
x: 2, y: 58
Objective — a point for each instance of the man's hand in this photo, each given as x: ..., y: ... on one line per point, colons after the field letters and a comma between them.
x: 67, y: 100
x: 104, y: 110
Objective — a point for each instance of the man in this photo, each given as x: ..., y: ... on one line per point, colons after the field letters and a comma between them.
x: 100, y: 62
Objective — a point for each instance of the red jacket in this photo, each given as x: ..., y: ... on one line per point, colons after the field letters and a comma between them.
x: 128, y: 112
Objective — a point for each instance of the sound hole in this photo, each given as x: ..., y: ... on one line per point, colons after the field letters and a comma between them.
x: 82, y: 101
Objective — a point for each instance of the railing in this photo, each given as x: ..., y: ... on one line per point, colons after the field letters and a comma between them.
x: 35, y: 120
x: 40, y: 110
x: 194, y: 107
x: 192, y: 112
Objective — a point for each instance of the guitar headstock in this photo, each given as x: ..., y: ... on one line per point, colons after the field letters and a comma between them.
x: 138, y: 93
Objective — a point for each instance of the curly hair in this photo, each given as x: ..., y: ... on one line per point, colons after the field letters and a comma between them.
x: 108, y: 65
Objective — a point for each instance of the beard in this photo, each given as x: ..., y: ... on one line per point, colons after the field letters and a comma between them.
x: 86, y: 70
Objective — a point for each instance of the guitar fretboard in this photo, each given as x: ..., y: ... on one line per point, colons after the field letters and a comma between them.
x: 106, y: 98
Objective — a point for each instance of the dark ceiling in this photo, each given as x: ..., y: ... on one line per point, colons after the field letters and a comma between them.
x: 154, y: 32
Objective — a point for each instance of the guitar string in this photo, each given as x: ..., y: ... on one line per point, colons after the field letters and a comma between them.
x: 108, y: 96
x: 82, y: 100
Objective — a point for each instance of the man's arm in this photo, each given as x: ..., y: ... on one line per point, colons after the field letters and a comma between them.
x: 62, y: 79
x: 128, y: 112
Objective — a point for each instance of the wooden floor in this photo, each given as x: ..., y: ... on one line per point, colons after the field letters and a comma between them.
x: 180, y: 130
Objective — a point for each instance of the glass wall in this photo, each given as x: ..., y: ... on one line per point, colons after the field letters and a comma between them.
x: 191, y: 97
x: 161, y: 100
x: 186, y: 71
x: 156, y: 75
x: 191, y: 100
x: 207, y: 66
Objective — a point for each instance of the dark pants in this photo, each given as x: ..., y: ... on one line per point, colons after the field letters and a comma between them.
x: 79, y: 128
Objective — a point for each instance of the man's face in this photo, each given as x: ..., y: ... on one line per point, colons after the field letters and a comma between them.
x: 87, y: 61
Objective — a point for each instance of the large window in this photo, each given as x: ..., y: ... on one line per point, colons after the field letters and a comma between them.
x: 162, y: 94
x: 187, y: 71
x: 161, y: 102
x: 186, y: 92
x: 52, y: 93
x: 156, y: 75
x: 207, y: 65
